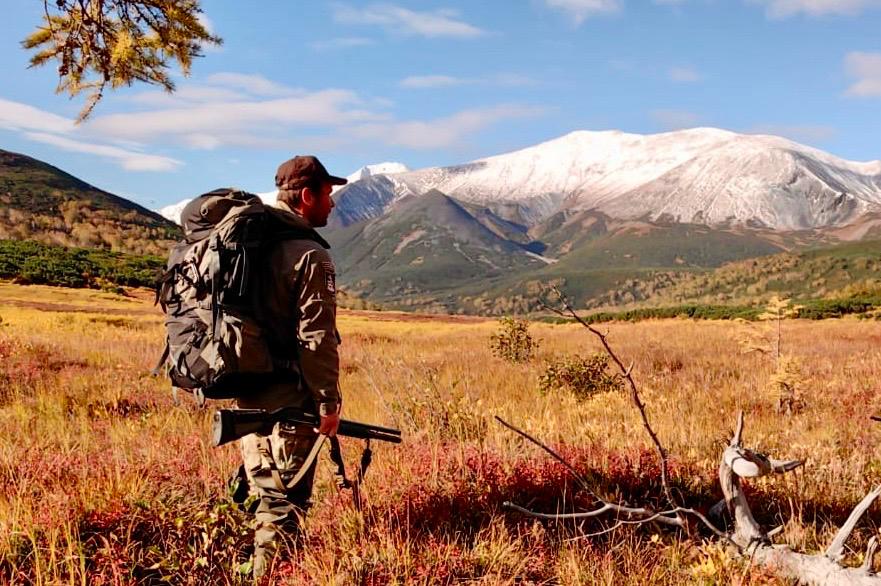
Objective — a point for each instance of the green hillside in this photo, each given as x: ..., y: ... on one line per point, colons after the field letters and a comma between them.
x: 423, y: 252
x: 843, y: 270
x: 30, y: 262
x: 40, y: 202
x: 434, y: 253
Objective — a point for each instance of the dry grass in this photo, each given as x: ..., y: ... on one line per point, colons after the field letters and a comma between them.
x: 104, y: 480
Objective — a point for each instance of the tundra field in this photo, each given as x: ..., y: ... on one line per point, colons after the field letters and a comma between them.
x: 105, y: 480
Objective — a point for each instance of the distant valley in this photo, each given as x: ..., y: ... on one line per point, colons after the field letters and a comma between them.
x: 611, y: 218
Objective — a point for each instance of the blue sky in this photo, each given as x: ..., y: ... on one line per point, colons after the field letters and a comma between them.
x: 443, y: 82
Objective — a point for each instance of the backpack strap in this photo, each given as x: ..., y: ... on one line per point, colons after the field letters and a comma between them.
x: 298, y: 234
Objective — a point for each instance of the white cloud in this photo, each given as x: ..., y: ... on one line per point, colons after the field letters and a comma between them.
x: 580, y: 10
x: 436, y: 81
x: 228, y: 110
x: 18, y: 116
x: 187, y: 94
x: 512, y: 80
x: 342, y: 43
x: 866, y: 69
x: 129, y: 160
x: 214, y: 124
x: 207, y: 23
x: 786, y: 8
x: 399, y: 20
x: 212, y: 30
x: 432, y: 81
x: 251, y: 83
x: 443, y: 132
x: 218, y: 87
x: 807, y: 133
x: 675, y: 119
x: 683, y: 74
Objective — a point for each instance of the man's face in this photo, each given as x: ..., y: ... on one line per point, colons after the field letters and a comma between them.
x: 317, y: 208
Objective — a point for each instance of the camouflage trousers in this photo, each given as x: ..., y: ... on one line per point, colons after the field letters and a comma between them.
x: 270, y: 464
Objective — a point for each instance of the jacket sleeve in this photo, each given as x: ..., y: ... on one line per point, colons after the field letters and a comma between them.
x: 316, y: 332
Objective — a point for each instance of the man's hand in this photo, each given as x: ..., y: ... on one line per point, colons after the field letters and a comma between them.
x: 329, y: 424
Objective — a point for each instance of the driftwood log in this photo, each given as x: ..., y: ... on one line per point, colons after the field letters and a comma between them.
x: 820, y: 569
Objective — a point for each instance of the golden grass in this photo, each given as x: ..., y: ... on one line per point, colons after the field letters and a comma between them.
x: 104, y: 479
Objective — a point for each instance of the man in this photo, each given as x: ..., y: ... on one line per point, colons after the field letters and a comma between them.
x: 299, y: 302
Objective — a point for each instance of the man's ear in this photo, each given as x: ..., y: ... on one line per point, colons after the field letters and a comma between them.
x: 307, y: 196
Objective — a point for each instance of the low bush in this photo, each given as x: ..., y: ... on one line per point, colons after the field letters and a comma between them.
x: 583, y: 377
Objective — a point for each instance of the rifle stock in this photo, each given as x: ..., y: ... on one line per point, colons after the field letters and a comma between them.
x: 232, y: 424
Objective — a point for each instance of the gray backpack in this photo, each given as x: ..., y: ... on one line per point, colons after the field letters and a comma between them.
x: 216, y: 344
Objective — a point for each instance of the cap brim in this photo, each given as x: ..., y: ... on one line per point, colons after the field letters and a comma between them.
x: 337, y: 180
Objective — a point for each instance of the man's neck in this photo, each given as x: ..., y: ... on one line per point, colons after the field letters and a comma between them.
x: 284, y: 206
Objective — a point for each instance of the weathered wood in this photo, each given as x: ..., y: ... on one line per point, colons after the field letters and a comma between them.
x: 818, y: 569
x: 835, y: 551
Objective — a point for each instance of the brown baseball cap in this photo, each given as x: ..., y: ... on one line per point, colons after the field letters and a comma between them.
x: 303, y: 170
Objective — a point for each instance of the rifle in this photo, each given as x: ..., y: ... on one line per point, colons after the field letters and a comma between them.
x: 231, y: 424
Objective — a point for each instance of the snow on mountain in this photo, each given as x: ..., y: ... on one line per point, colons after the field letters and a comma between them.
x: 387, y: 168
x: 701, y: 175
x: 172, y: 212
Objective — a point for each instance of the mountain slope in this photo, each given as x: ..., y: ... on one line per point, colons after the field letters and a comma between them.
x: 700, y: 175
x: 43, y: 203
x: 842, y: 270
x: 434, y: 252
x: 423, y: 248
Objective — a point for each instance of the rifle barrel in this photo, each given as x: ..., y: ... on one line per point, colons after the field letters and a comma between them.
x: 232, y: 424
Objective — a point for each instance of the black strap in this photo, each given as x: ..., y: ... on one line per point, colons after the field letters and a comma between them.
x: 297, y: 234
x: 336, y: 454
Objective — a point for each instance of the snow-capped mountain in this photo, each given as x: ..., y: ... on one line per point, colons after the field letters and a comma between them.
x: 388, y: 168
x: 701, y: 175
x: 172, y: 212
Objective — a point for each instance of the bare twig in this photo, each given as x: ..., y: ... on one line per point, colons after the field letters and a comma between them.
x: 626, y: 373
x: 673, y: 517
x: 642, y: 514
x: 581, y: 480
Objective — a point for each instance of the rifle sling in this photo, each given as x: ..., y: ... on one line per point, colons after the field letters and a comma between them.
x: 304, y: 469
x: 162, y: 359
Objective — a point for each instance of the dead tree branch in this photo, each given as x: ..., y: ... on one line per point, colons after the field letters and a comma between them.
x: 819, y: 569
x: 626, y: 373
x: 634, y: 515
x: 581, y: 480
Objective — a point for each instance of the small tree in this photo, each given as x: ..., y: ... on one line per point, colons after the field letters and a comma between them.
x: 787, y: 379
x: 513, y: 342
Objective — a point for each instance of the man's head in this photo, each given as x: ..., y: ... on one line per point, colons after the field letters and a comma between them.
x: 305, y: 185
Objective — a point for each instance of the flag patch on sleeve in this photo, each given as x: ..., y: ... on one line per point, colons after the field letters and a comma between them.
x: 329, y: 277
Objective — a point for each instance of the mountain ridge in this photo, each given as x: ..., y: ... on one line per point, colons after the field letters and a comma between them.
x: 696, y: 174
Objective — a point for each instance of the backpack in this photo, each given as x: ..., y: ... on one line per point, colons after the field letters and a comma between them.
x: 216, y: 344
